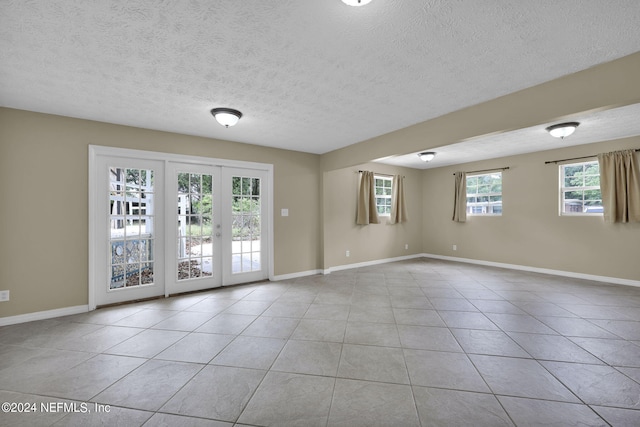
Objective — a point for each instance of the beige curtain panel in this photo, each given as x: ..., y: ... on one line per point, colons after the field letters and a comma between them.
x: 398, y: 207
x: 366, y: 212
x: 620, y: 186
x: 460, y: 199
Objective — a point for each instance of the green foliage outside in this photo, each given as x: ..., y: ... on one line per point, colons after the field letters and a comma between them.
x: 383, y: 189
x: 484, y: 189
x: 245, y: 205
x: 139, y: 177
x: 484, y: 184
x: 583, y: 175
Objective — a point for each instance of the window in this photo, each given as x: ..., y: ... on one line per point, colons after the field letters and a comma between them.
x: 383, y: 194
x: 484, y: 194
x: 580, y: 189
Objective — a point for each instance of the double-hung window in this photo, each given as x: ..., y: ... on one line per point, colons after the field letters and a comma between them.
x: 484, y: 194
x: 580, y: 189
x: 383, y: 186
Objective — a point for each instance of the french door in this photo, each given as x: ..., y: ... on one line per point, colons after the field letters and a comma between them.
x: 245, y: 216
x: 194, y: 227
x: 174, y: 224
x: 130, y: 243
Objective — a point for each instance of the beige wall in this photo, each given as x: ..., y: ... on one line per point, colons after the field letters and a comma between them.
x: 43, y: 202
x: 374, y: 241
x: 43, y: 195
x: 530, y: 232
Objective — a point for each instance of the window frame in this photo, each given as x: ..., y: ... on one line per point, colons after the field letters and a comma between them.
x: 385, y: 197
x: 562, y: 189
x: 469, y: 209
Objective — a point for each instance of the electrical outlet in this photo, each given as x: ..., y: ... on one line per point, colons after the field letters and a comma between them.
x: 455, y: 247
x: 4, y: 295
x: 406, y: 246
x: 348, y: 254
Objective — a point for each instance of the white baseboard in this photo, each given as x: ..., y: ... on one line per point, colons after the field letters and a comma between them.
x: 67, y: 311
x: 295, y: 275
x: 41, y: 315
x: 370, y: 263
x: 613, y: 280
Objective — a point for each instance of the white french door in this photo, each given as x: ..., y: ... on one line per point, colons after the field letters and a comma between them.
x: 194, y: 228
x: 164, y: 224
x: 245, y: 216
x: 130, y: 240
x: 215, y: 227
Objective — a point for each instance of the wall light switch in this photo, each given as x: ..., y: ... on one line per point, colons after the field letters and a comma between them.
x: 284, y: 212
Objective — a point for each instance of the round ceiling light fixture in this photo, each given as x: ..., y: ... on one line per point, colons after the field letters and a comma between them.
x: 226, y: 116
x: 427, y: 156
x: 356, y: 2
x: 562, y: 130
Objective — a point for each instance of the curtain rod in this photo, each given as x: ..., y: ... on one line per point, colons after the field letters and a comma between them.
x: 381, y: 174
x: 489, y: 170
x: 576, y: 158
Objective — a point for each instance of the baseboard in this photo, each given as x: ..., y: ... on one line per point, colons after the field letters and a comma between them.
x: 605, y: 279
x: 295, y: 275
x: 41, y: 315
x: 370, y: 263
x: 67, y: 311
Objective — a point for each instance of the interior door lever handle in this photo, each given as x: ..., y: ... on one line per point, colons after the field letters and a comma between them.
x: 218, y: 234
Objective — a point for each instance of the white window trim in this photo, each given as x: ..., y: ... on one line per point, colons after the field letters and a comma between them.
x: 487, y: 194
x: 386, y: 178
x: 562, y: 189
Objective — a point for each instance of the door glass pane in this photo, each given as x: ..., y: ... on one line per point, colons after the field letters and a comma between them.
x: 131, y: 227
x: 195, y: 233
x: 245, y: 227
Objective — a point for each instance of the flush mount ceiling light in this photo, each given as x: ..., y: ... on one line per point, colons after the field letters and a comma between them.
x: 226, y: 116
x: 562, y: 130
x: 427, y: 156
x: 356, y: 2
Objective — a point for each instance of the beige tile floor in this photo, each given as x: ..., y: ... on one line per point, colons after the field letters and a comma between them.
x: 420, y: 342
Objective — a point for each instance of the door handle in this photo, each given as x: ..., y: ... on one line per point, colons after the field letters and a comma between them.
x: 218, y: 234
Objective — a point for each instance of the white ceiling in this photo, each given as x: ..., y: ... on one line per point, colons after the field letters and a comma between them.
x: 311, y: 76
x: 606, y: 125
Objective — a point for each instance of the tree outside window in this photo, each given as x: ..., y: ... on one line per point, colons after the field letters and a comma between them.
x: 383, y: 186
x: 580, y: 189
x: 484, y: 194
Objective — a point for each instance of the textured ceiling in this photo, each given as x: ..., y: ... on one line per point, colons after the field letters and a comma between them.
x: 594, y: 127
x: 311, y: 76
